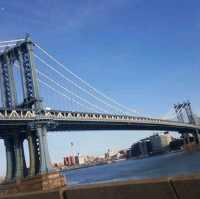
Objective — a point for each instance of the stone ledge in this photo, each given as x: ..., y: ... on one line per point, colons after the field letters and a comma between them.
x: 39, y: 183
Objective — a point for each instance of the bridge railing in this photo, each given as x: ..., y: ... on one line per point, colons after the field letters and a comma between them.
x: 19, y: 114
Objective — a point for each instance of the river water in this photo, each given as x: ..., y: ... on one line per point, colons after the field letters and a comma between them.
x: 172, y: 164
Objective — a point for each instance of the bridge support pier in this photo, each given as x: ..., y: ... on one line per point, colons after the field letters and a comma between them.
x: 38, y: 154
x: 45, y: 165
x: 186, y: 138
x: 21, y: 169
x: 33, y: 153
x: 197, y: 137
x: 10, y: 159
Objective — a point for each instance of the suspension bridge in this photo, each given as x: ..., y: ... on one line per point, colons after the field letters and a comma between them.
x: 40, y: 94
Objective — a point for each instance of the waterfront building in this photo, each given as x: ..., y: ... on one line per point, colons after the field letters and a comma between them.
x: 176, y: 144
x: 150, y: 145
x: 141, y: 148
x: 160, y: 143
x: 79, y: 160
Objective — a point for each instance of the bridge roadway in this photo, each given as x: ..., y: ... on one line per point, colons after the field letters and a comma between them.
x: 21, y: 119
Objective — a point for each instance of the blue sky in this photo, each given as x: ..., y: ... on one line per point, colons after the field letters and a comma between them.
x: 144, y: 53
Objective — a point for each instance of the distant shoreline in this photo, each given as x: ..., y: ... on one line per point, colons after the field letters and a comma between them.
x: 115, y: 161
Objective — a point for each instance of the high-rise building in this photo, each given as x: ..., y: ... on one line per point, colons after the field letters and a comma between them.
x: 151, y: 145
x: 160, y: 142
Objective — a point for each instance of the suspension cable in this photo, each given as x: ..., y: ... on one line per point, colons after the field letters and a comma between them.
x: 11, y: 41
x: 168, y: 114
x: 64, y: 88
x: 3, y: 46
x: 60, y: 93
x: 86, y: 101
x: 83, y: 81
x: 76, y: 85
x: 174, y: 113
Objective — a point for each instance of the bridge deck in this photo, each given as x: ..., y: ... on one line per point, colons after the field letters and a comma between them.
x: 66, y: 121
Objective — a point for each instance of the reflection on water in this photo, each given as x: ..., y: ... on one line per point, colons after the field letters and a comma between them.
x: 166, y: 165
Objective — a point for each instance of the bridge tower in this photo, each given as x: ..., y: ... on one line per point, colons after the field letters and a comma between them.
x: 179, y: 112
x: 186, y: 108
x: 36, y: 133
x: 189, y: 112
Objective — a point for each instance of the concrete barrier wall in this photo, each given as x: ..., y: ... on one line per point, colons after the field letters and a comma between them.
x: 165, y: 188
x: 56, y: 194
x: 187, y: 187
x: 158, y: 189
